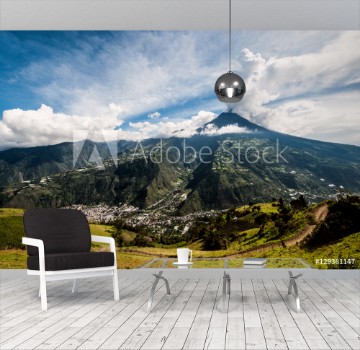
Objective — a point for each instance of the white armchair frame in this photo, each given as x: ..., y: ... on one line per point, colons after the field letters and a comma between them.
x: 73, y: 273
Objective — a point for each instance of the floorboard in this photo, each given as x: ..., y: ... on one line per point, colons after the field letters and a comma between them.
x: 257, y: 314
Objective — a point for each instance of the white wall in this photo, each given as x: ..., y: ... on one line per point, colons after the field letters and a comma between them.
x: 178, y: 14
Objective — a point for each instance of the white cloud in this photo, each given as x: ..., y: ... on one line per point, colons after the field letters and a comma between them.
x: 297, y: 83
x: 329, y: 118
x: 142, y: 72
x: 165, y: 129
x: 154, y: 115
x: 43, y: 126
x: 308, y: 94
x: 212, y: 130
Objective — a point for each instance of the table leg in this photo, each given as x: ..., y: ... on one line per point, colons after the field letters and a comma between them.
x: 226, y: 290
x: 293, y: 285
x: 226, y: 283
x: 152, y: 291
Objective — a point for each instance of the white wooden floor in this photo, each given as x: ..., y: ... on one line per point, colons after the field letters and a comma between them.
x: 257, y: 315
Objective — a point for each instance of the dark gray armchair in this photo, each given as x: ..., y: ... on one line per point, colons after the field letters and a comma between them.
x: 58, y: 245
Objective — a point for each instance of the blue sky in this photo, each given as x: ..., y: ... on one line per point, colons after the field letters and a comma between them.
x: 146, y: 84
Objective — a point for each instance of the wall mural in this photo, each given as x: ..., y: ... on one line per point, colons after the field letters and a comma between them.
x: 126, y: 127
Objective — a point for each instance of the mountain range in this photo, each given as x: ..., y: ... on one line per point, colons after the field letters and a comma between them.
x: 230, y: 161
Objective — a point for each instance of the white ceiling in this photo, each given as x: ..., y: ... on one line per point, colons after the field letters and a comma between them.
x: 178, y: 14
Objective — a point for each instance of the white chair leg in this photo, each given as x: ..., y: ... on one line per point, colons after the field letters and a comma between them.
x: 39, y: 289
x: 75, y: 287
x: 43, y: 293
x: 116, y: 285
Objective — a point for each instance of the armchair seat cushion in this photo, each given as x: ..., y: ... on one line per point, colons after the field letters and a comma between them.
x: 69, y: 261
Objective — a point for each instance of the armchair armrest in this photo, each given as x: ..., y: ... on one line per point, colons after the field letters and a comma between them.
x: 109, y: 240
x: 103, y: 239
x: 39, y: 243
x: 33, y: 241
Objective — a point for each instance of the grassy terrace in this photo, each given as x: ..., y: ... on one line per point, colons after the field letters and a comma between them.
x: 13, y: 254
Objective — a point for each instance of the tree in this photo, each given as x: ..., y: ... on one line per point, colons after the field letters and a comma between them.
x: 256, y: 208
x: 285, y: 213
x: 117, y: 235
x: 214, y: 240
x: 299, y: 204
x: 141, y: 240
x: 281, y: 202
x: 3, y: 197
x: 341, y: 221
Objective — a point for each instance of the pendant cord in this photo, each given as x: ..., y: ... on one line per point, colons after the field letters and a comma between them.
x: 229, y: 35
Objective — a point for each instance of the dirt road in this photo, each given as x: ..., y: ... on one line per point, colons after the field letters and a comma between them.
x: 320, y: 214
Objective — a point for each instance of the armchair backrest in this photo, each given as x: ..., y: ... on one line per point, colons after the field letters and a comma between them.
x: 62, y: 230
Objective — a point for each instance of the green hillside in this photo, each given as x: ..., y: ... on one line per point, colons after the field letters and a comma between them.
x: 11, y: 228
x: 347, y: 248
x: 251, y: 226
x: 330, y: 230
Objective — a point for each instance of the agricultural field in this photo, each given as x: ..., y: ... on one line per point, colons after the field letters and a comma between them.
x: 266, y: 208
x: 4, y: 212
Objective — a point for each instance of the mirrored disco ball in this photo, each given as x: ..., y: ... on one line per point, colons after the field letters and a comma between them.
x: 230, y: 88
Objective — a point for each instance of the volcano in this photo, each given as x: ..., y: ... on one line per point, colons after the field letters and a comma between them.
x: 229, y: 162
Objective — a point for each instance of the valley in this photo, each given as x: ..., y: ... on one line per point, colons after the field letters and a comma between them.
x: 225, y: 195
x: 268, y: 230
